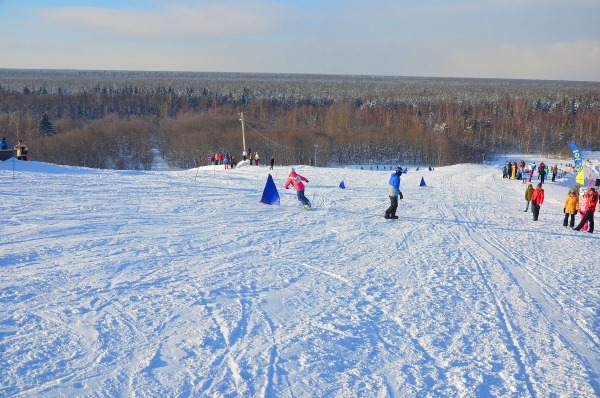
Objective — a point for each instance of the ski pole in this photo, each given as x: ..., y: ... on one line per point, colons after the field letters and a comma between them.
x: 14, y: 155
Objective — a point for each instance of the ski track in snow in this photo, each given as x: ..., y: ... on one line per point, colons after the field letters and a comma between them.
x: 179, y: 283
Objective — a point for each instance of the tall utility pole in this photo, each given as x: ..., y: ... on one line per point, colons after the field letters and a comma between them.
x: 243, y: 134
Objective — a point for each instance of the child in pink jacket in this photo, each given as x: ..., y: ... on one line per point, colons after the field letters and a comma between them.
x: 582, y: 207
x: 296, y: 180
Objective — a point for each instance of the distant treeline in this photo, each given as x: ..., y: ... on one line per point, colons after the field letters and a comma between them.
x: 114, y: 119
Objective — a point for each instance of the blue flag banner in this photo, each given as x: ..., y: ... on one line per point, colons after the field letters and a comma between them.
x: 270, y: 195
x: 422, y: 182
x: 580, y: 176
x: 342, y: 185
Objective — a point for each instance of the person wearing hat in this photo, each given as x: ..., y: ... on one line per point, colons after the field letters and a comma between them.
x: 394, y: 193
x: 592, y: 201
x: 296, y: 179
x: 537, y: 198
x: 3, y: 144
x: 571, y: 207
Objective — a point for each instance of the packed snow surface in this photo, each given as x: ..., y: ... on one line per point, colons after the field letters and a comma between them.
x: 174, y: 283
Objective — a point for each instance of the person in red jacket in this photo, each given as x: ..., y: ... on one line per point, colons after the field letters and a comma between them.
x: 537, y: 198
x: 589, y: 212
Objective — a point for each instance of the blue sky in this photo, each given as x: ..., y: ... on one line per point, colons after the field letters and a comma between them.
x: 520, y: 39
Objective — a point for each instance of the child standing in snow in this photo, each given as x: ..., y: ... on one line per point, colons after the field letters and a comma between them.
x: 537, y: 198
x: 528, y: 193
x: 296, y: 179
x: 582, y: 206
x: 571, y: 207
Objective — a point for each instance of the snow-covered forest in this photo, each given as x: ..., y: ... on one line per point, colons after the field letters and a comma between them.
x: 113, y: 120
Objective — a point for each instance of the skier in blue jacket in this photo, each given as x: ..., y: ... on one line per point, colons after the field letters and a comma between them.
x: 394, y: 192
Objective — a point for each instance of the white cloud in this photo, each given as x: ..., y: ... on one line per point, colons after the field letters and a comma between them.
x: 169, y: 21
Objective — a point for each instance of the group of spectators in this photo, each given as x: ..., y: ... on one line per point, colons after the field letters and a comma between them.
x: 20, y: 149
x: 219, y: 159
x: 586, y: 206
x: 578, y: 201
x: 252, y: 156
x: 523, y: 172
x: 231, y: 161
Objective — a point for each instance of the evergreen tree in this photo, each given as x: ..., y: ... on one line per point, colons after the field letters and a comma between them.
x: 45, y: 126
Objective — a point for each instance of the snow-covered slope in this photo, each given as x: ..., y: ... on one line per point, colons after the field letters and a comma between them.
x: 180, y: 283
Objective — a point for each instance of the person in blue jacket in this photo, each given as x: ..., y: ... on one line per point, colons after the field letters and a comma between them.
x: 394, y: 193
x: 3, y: 144
x: 226, y: 160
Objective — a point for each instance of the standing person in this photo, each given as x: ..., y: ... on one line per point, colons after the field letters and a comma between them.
x: 592, y: 201
x: 554, y: 172
x: 571, y: 207
x: 256, y: 158
x: 543, y: 171
x: 582, y: 205
x: 22, y: 150
x: 3, y: 144
x: 244, y: 156
x: 272, y: 162
x: 226, y: 160
x: 537, y: 198
x: 531, y: 170
x: 528, y: 193
x: 296, y: 180
x: 394, y: 192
